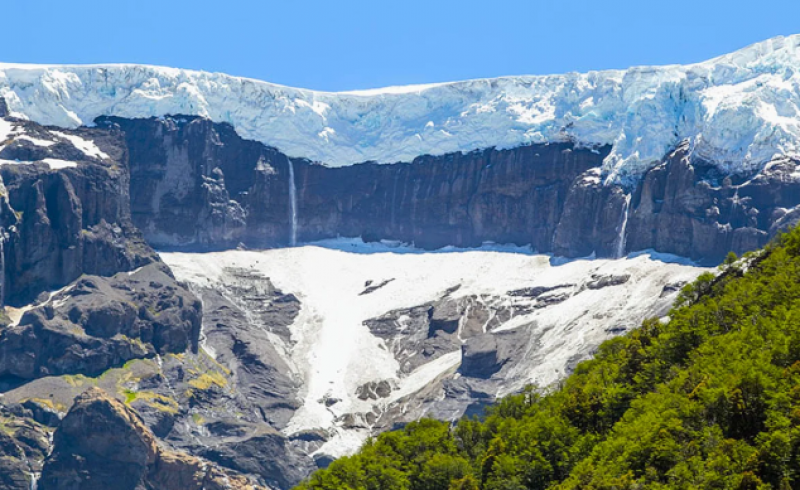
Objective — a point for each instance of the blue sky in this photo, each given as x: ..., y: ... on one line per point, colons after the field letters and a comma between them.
x: 342, y: 45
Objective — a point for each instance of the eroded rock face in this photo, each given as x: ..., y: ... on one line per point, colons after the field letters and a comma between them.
x: 24, y: 443
x: 198, y: 184
x: 65, y: 209
x: 103, y: 445
x: 97, y: 323
x: 684, y: 207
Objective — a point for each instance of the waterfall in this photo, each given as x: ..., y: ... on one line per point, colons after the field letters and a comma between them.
x: 34, y: 483
x: 293, y: 199
x: 2, y: 268
x: 620, y: 246
x: 734, y: 205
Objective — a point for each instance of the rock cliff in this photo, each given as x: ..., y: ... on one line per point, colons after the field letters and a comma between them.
x: 198, y: 184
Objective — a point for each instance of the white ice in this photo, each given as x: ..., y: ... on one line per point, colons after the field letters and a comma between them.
x: 738, y: 110
x: 53, y: 163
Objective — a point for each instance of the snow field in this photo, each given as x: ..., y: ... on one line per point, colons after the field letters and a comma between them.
x: 334, y: 353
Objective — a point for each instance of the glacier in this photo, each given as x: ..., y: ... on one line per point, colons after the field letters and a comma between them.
x: 333, y: 352
x: 737, y: 111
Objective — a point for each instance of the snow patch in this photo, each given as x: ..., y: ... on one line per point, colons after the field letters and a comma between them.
x: 53, y: 163
x: 36, y: 141
x: 57, y: 164
x: 6, y: 129
x: 89, y: 148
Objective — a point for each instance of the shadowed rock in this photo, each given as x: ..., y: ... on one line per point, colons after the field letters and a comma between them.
x: 102, y: 445
x: 99, y: 323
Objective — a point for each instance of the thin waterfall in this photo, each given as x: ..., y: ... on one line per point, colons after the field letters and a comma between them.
x: 293, y: 199
x: 734, y: 205
x: 623, y: 227
x: 2, y: 269
x: 34, y: 483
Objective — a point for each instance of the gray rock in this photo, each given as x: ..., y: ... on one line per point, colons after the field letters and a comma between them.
x: 371, y: 288
x: 535, y: 292
x: 480, y: 358
x: 266, y: 454
x: 61, y: 224
x: 374, y: 390
x: 238, y: 319
x: 99, y: 323
x: 600, y: 282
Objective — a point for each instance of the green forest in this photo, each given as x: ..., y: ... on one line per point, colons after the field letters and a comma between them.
x: 709, y: 399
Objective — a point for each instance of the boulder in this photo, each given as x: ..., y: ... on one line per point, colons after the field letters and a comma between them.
x: 103, y: 445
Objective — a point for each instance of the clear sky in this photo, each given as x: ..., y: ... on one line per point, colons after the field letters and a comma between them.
x: 344, y: 45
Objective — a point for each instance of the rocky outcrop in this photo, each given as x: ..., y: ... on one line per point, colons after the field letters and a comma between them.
x: 246, y: 328
x: 103, y: 445
x: 685, y: 207
x: 66, y: 229
x: 97, y: 323
x: 64, y: 209
x: 245, y: 325
x: 24, y: 444
x: 198, y: 184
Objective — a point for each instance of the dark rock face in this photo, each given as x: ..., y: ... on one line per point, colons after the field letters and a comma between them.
x: 239, y: 319
x: 61, y: 224
x: 684, y: 207
x: 24, y: 443
x: 198, y: 184
x: 99, y: 323
x: 190, y: 179
x: 514, y: 196
x: 103, y: 445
